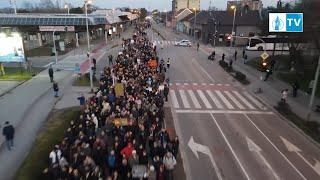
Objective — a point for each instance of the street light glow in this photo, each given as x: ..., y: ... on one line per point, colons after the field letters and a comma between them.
x: 88, y: 1
x: 66, y: 6
x: 233, y: 7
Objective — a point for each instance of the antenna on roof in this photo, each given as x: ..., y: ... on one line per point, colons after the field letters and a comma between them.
x: 209, y: 6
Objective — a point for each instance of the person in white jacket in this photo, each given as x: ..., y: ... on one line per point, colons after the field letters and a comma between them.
x: 95, y: 121
x: 169, y: 162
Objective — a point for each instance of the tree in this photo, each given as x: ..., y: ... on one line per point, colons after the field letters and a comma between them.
x: 143, y: 13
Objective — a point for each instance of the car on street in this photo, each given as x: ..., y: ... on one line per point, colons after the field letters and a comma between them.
x: 183, y: 42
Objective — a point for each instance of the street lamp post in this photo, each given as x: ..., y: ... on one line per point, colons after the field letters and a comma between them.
x: 86, y: 2
x: 194, y: 23
x: 234, y: 8
x: 54, y: 46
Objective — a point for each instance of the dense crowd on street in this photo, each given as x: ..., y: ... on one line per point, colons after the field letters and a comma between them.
x: 119, y: 137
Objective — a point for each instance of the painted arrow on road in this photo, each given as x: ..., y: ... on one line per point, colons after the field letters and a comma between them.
x: 255, y: 148
x: 292, y: 148
x: 195, y: 148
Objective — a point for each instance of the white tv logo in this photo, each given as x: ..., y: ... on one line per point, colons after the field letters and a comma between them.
x: 277, y: 22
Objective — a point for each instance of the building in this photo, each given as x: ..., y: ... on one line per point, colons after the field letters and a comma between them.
x: 37, y: 29
x: 191, y: 4
x: 252, y: 5
x: 181, y: 14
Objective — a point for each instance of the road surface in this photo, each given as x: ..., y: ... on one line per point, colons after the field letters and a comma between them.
x: 224, y: 130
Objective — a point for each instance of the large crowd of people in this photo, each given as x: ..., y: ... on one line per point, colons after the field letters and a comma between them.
x: 119, y: 133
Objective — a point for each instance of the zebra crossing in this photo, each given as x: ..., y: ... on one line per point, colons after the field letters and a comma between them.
x: 190, y: 96
x: 165, y: 43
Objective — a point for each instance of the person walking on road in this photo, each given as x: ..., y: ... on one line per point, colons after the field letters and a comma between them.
x: 243, y: 53
x: 198, y: 45
x: 168, y: 63
x: 8, y: 133
x: 50, y: 72
x: 284, y: 95
x: 55, y: 89
x: 295, y: 88
x: 245, y: 59
x: 169, y: 162
x: 110, y: 59
x: 235, y: 55
x: 82, y: 100
x: 2, y: 72
x: 166, y: 92
x: 223, y: 56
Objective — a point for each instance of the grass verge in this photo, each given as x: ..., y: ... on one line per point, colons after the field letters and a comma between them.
x: 84, y: 80
x: 51, y: 134
x: 311, y: 128
x: 242, y: 78
x: 19, y: 74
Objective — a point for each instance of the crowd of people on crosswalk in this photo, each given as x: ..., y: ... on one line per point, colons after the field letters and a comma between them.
x: 119, y: 133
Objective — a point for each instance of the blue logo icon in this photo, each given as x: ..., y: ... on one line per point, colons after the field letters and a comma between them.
x: 277, y: 24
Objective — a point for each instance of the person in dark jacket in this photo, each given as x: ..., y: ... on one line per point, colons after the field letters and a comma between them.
x: 50, y: 72
x: 166, y: 92
x: 55, y: 89
x: 8, y: 132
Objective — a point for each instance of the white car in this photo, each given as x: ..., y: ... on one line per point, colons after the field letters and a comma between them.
x: 183, y: 42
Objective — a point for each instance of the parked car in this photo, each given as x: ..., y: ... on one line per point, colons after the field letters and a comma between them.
x: 183, y: 42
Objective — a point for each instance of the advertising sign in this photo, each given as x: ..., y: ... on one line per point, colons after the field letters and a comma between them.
x: 285, y: 22
x: 11, y: 48
x: 56, y: 28
x: 119, y: 89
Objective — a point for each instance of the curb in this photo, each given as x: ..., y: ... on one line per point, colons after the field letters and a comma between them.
x: 12, y: 88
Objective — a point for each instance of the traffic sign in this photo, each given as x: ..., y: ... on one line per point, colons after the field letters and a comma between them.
x: 264, y: 55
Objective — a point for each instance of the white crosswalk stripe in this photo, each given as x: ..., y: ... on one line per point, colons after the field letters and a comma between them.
x: 184, y: 99
x: 174, y: 99
x: 194, y: 99
x: 213, y: 99
x: 243, y: 100
x: 204, y: 99
x: 254, y: 100
x: 165, y: 43
x: 224, y: 100
x: 234, y: 99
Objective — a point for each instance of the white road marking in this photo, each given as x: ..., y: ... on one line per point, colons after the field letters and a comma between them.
x: 204, y: 99
x: 195, y: 84
x: 275, y: 147
x: 212, y: 84
x: 204, y: 111
x: 186, y: 84
x: 51, y: 63
x: 292, y: 148
x: 196, y: 147
x: 184, y: 99
x: 224, y: 100
x: 204, y: 71
x: 243, y: 99
x: 234, y: 100
x: 254, y: 100
x: 214, y: 99
x: 174, y: 99
x: 203, y: 84
x: 178, y: 84
x: 255, y: 148
x: 194, y: 99
x: 230, y: 147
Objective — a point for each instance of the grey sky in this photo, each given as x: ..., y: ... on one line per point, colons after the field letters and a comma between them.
x: 149, y: 4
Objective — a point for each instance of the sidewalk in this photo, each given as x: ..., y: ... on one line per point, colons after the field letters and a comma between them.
x: 27, y: 107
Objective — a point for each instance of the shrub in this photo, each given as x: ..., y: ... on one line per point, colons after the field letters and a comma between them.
x: 223, y: 64
x: 240, y: 76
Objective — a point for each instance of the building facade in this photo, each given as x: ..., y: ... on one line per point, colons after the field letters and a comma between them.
x: 191, y: 4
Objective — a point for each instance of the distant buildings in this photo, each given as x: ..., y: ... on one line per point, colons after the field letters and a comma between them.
x: 191, y: 4
x: 252, y: 5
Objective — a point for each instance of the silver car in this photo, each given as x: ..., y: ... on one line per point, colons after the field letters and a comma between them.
x: 183, y: 42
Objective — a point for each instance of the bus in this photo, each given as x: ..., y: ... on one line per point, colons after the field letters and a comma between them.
x: 256, y: 43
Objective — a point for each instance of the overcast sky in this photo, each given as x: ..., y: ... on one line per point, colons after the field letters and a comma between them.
x: 149, y: 4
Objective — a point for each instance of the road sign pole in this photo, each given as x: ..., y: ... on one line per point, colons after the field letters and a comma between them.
x: 314, y: 89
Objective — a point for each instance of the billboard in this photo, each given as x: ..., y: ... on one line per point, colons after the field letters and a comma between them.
x: 285, y: 22
x: 56, y: 28
x: 11, y: 48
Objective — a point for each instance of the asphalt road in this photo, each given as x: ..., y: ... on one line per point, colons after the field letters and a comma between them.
x: 224, y: 130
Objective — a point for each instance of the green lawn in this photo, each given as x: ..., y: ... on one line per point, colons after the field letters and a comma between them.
x: 51, y: 134
x: 19, y: 74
